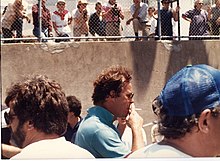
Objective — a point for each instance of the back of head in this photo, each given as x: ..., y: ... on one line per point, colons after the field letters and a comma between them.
x: 41, y: 101
x: 111, y: 79
x: 74, y: 105
x: 190, y: 91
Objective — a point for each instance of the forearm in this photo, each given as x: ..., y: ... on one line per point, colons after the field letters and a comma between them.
x: 137, y: 139
x: 55, y: 28
x: 175, y: 16
x: 135, y: 15
x: 10, y: 151
x: 186, y: 18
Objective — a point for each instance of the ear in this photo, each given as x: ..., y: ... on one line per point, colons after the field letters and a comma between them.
x: 112, y: 94
x: 30, y: 125
x: 204, y: 121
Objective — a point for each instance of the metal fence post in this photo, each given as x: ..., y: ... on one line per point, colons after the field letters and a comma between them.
x: 159, y: 20
x: 178, y: 4
x: 40, y: 19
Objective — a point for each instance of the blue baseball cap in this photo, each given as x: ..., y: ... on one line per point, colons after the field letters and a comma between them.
x: 191, y: 90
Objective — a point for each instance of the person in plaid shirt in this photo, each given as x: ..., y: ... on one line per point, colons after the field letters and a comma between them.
x: 46, y: 30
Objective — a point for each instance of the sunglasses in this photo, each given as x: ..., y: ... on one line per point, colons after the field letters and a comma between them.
x: 61, y: 4
x: 130, y: 95
x: 9, y: 117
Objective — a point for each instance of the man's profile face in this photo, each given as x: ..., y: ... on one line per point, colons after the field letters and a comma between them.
x: 18, y: 135
x: 123, y: 101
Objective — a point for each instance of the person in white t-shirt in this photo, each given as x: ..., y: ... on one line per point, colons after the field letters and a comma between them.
x: 139, y: 18
x: 38, y: 118
x: 188, y: 111
x: 126, y: 132
x: 61, y: 20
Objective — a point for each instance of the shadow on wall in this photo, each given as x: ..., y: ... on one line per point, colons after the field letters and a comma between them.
x: 154, y: 62
x: 143, y: 61
x: 182, y: 54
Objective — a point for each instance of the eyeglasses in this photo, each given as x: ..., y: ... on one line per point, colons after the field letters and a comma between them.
x: 9, y: 117
x: 61, y: 4
x: 130, y: 95
x: 200, y: 3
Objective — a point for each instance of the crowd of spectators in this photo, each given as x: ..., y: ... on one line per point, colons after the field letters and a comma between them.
x: 43, y: 123
x: 107, y: 18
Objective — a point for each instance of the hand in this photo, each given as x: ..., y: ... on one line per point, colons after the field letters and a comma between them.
x: 209, y: 10
x: 50, y: 34
x: 137, y: 6
x: 177, y: 9
x: 134, y: 121
x: 29, y: 21
x: 218, y: 21
x: 128, y: 22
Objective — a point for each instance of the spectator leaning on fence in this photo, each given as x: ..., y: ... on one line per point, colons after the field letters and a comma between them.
x: 46, y: 29
x: 215, y: 18
x: 80, y: 18
x: 113, y: 15
x: 167, y: 14
x: 188, y: 111
x: 61, y: 19
x: 150, y: 19
x: 96, y: 22
x: 13, y: 19
x: 38, y: 118
x: 198, y: 19
x: 139, y: 18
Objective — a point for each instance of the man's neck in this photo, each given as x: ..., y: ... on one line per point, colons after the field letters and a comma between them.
x: 38, y: 136
x: 188, y: 144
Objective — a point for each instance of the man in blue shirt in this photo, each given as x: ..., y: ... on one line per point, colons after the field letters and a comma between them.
x: 112, y: 98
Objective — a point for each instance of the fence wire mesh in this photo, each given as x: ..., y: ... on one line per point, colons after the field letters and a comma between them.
x: 97, y: 20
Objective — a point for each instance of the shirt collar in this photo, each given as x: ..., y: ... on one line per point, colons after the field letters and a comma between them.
x: 102, y: 113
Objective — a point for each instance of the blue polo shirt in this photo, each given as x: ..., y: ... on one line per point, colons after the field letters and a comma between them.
x: 99, y: 136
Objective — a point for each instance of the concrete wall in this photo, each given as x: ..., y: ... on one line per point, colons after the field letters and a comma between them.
x: 76, y: 65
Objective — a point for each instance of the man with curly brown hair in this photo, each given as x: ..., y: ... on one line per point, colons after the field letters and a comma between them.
x: 38, y: 119
x: 112, y: 97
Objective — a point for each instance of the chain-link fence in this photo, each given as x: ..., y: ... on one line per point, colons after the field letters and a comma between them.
x: 75, y: 21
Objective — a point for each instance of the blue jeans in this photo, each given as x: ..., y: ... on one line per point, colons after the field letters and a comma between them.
x: 44, y: 32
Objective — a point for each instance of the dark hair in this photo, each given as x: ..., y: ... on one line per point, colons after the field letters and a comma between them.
x: 74, y: 105
x: 41, y: 101
x: 5, y: 9
x: 98, y: 3
x: 175, y: 126
x: 111, y: 79
x: 151, y: 8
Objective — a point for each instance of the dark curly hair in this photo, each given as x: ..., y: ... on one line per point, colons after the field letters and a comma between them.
x: 74, y: 105
x: 111, y: 79
x: 176, y: 126
x: 41, y: 101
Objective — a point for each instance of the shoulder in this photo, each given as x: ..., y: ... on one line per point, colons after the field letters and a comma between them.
x: 144, y: 5
x: 53, y: 148
x: 75, y: 12
x: 157, y: 150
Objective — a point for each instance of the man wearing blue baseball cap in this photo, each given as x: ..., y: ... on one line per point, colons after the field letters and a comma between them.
x: 188, y: 110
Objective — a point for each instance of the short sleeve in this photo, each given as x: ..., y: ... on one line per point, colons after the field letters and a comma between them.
x: 109, y: 145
